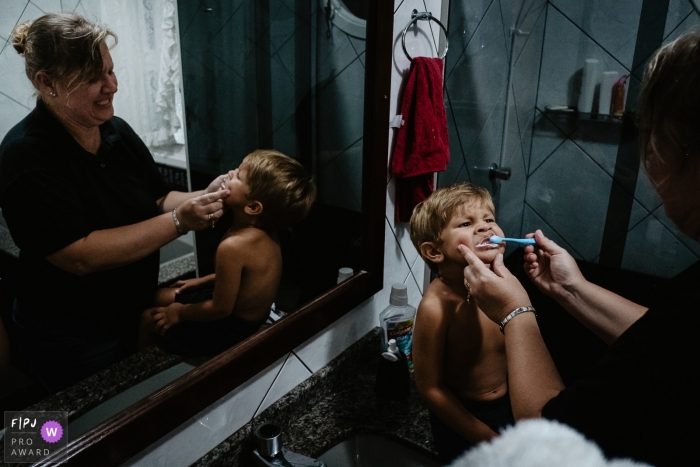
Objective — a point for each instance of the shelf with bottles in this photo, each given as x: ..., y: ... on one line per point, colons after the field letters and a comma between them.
x: 560, y: 112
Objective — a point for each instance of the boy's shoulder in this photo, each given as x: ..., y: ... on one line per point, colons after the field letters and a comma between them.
x: 439, y: 298
x: 245, y: 240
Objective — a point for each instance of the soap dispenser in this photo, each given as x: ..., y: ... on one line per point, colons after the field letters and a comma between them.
x: 393, y: 380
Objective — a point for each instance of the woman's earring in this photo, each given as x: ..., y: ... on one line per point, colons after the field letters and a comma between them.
x: 53, y: 94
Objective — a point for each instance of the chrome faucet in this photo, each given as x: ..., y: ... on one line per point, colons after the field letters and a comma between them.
x: 270, y: 453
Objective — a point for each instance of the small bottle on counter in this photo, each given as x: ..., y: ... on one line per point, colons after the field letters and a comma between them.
x: 393, y: 379
x: 344, y: 273
x: 397, y: 320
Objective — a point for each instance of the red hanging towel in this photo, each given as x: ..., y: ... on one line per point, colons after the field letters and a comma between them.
x: 421, y: 144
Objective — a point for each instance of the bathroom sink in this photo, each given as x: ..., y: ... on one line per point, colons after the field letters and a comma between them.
x: 374, y: 451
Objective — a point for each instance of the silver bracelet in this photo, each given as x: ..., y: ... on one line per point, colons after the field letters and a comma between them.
x: 177, y: 223
x: 514, y: 313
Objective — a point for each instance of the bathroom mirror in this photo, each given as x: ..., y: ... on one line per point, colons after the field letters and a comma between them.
x: 130, y: 431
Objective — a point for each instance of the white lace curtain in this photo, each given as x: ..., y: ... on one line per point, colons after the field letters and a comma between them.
x: 147, y: 63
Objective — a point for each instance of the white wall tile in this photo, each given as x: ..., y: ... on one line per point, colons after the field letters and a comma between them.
x: 73, y: 5
x: 16, y: 92
x: 199, y: 435
x: 14, y: 82
x: 48, y: 6
x: 396, y: 269
x: 660, y: 215
x: 11, y: 12
x: 678, y: 10
x: 293, y: 373
x: 329, y: 343
x: 612, y: 24
x: 10, y: 113
x: 652, y: 249
x: 419, y: 271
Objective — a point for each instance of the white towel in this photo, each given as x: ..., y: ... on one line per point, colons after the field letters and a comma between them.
x: 537, y: 443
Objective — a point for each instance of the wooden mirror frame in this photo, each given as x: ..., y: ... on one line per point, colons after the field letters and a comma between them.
x: 124, y: 435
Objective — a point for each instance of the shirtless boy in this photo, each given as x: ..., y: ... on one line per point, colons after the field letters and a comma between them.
x: 458, y: 353
x: 204, y: 316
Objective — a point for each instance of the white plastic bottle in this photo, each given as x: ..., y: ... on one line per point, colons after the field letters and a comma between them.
x: 397, y: 320
x: 344, y: 273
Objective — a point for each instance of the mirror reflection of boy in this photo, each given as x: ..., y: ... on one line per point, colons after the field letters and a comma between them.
x: 458, y: 353
x: 207, y: 315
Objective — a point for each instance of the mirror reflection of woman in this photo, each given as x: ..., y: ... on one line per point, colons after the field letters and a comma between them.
x: 641, y: 399
x: 86, y: 205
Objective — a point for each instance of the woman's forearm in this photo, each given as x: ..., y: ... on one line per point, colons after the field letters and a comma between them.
x: 532, y: 377
x: 175, y: 198
x: 112, y: 248
x: 605, y: 313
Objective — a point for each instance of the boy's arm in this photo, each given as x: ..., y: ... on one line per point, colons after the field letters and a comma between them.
x: 429, y: 340
x: 192, y: 284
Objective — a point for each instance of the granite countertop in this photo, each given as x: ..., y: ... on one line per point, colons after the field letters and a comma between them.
x: 334, y: 404
x: 103, y: 385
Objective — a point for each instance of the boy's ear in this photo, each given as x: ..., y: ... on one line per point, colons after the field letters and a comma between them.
x: 430, y: 251
x: 254, y: 208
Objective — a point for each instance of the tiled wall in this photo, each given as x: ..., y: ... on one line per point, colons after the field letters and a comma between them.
x: 199, y: 435
x: 339, y: 101
x: 16, y: 92
x: 477, y: 69
x: 562, y: 168
x: 571, y: 165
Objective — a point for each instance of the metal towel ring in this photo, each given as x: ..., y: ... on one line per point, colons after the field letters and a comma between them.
x: 427, y: 16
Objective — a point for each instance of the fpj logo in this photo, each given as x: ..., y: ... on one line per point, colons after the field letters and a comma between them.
x: 33, y: 436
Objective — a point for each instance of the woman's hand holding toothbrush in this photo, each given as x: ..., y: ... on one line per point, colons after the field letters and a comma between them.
x: 551, y: 268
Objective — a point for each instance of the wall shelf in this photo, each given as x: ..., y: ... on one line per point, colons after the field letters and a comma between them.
x: 559, y: 115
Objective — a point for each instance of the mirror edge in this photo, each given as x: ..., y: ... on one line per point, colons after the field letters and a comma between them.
x: 122, y: 436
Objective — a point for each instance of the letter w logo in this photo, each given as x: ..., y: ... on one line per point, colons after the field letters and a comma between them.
x: 51, y: 431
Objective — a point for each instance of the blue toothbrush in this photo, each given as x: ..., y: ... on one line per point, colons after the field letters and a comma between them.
x: 524, y: 241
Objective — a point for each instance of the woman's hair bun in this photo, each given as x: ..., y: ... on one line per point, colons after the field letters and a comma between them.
x: 19, y: 37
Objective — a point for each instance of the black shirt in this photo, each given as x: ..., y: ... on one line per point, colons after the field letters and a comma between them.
x: 642, y: 400
x: 52, y: 193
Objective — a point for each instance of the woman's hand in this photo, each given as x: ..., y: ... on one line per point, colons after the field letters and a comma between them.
x: 216, y: 184
x: 165, y: 317
x: 497, y: 292
x: 551, y: 268
x: 202, y: 211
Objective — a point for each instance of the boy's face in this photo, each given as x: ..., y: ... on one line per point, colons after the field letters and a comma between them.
x: 471, y: 226
x: 237, y: 184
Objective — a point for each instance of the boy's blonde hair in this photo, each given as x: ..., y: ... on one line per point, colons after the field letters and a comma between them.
x: 281, y: 185
x: 430, y: 217
x: 669, y: 102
